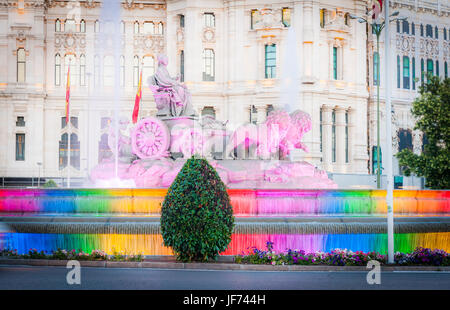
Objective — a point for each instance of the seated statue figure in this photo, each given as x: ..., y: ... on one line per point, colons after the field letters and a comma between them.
x: 171, y: 96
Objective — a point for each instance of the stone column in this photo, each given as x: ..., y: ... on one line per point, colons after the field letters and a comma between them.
x: 340, y: 137
x: 326, y: 136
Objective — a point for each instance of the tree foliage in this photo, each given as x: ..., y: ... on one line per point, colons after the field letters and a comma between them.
x: 197, y: 216
x: 432, y: 112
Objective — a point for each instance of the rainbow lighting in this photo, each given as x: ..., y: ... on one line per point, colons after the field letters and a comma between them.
x: 127, y: 220
x: 246, y: 202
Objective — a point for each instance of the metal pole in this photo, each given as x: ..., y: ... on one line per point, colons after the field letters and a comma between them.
x: 68, y: 153
x: 388, y: 161
x: 378, y: 108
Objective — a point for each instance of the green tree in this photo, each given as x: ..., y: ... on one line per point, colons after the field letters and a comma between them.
x: 196, y: 216
x: 432, y: 112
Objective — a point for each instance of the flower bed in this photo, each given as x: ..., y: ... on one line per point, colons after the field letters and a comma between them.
x: 71, y: 255
x: 338, y: 257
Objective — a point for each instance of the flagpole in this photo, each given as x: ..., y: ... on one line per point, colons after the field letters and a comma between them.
x: 68, y: 124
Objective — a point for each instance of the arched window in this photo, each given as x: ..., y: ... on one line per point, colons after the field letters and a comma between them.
x: 398, y: 71
x: 122, y: 27
x: 405, y: 27
x: 422, y: 71
x: 398, y: 26
x: 57, y: 70
x: 82, y: 70
x: 404, y: 139
x: 97, y: 26
x: 406, y: 72
x: 122, y: 71
x: 160, y: 28
x: 70, y: 60
x: 436, y: 32
x: 57, y: 25
x: 108, y: 70
x: 82, y: 26
x: 375, y: 160
x: 445, y: 70
x: 429, y: 31
x: 69, y: 25
x: 96, y: 70
x: 136, y: 27
x: 445, y: 34
x: 437, y: 67
x: 209, y: 111
x: 21, y: 64
x: 208, y: 65
x: 286, y: 17
x: 376, y: 66
x: 182, y: 66
x: 413, y: 29
x: 430, y: 68
x: 148, y: 68
x: 421, y: 30
x: 335, y: 63
x: 149, y: 27
x: 136, y: 71
x: 413, y: 73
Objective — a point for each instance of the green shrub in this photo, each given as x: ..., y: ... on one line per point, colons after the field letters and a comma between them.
x: 50, y: 183
x: 197, y: 216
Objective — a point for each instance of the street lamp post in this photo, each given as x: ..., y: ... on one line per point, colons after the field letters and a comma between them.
x: 378, y: 27
x: 39, y: 173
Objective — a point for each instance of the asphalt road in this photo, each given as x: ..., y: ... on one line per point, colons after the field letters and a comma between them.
x: 42, y: 278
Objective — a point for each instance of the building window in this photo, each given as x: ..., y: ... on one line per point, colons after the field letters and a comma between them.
x: 21, y: 58
x: 333, y: 136
x: 405, y: 139
x: 20, y: 121
x: 269, y: 109
x: 82, y: 70
x: 136, y: 27
x: 429, y: 31
x: 69, y: 60
x: 181, y: 21
x: 405, y: 26
x: 182, y: 66
x: 375, y: 160
x: 422, y: 71
x: 398, y: 71
x: 104, y: 152
x: 376, y: 66
x: 122, y: 71
x: 436, y: 32
x: 96, y: 26
x: 398, y: 26
x: 209, y: 111
x: 160, y: 28
x: 406, y: 72
x: 69, y: 25
x: 413, y: 73
x: 20, y: 146
x: 322, y: 17
x: 57, y: 70
x: 286, y: 17
x: 321, y: 129
x: 74, y: 151
x: 430, y: 68
x: 445, y: 70
x: 57, y: 25
x: 437, y: 68
x: 209, y: 19
x: 445, y: 34
x: 335, y: 63
x: 421, y: 30
x: 346, y: 137
x: 73, y: 122
x: 347, y: 19
x: 82, y: 26
x: 149, y: 27
x: 253, y: 115
x: 208, y: 65
x: 136, y: 71
x: 122, y: 27
x: 270, y: 61
x: 148, y: 68
x: 96, y: 70
x: 255, y: 17
x: 413, y: 29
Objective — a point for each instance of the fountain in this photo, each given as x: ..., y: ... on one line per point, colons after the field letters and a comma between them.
x: 291, y: 203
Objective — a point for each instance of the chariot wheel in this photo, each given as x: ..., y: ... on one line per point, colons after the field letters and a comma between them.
x: 150, y: 138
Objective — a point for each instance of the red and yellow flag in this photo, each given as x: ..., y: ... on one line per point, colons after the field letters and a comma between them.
x: 67, y: 95
x: 137, y: 100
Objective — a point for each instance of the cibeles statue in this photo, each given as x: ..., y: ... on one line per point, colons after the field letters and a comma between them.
x: 171, y: 96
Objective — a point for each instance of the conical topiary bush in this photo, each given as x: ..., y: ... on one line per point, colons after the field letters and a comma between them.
x: 197, y: 216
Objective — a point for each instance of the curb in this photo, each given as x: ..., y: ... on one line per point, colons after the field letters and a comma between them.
x: 213, y: 266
